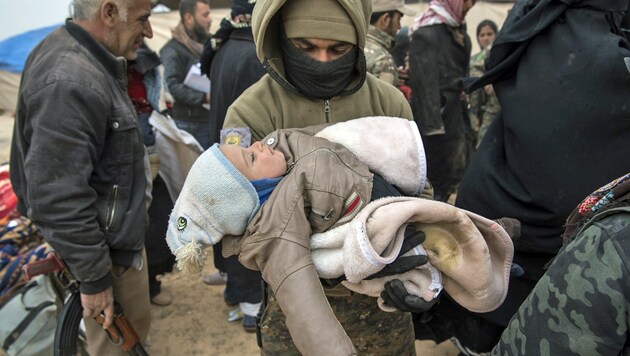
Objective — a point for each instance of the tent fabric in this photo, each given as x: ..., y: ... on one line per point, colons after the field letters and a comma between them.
x: 14, y: 50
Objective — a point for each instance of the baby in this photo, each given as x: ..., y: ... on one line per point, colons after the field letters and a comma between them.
x: 312, y: 188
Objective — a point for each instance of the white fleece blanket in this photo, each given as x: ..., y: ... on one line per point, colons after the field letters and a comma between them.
x: 472, y: 253
x: 390, y: 146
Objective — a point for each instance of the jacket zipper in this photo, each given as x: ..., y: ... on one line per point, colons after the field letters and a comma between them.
x: 327, y: 110
x: 111, y: 210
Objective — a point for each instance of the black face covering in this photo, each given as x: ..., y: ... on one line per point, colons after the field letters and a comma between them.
x: 315, y: 79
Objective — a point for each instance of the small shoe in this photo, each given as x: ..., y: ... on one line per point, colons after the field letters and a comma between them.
x: 249, y: 323
x: 217, y: 278
x: 164, y: 298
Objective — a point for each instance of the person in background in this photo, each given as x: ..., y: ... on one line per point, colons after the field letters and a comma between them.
x: 563, y: 116
x: 314, y: 56
x: 484, y: 105
x: 78, y: 164
x: 400, y: 52
x: 581, y: 305
x: 178, y: 55
x: 234, y: 68
x: 384, y: 25
x: 145, y: 83
x: 439, y: 53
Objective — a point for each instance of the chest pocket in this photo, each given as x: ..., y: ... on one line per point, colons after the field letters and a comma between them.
x: 123, y: 135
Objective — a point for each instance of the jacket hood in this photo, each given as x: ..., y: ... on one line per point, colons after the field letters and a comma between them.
x: 266, y: 26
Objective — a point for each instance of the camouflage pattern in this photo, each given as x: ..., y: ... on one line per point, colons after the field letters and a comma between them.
x: 372, y: 331
x: 380, y: 61
x: 483, y: 107
x: 582, y: 304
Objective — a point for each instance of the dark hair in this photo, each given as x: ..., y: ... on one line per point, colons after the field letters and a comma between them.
x: 376, y: 15
x: 486, y: 23
x: 189, y: 6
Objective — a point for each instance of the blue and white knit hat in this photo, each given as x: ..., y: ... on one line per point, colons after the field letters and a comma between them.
x: 216, y: 200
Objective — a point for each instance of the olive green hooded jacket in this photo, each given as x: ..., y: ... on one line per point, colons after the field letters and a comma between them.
x: 273, y: 103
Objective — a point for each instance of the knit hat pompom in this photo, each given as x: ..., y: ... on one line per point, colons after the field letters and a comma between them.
x: 325, y: 19
x: 216, y: 200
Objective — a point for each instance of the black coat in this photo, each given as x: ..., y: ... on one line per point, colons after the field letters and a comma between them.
x: 234, y: 68
x: 437, y: 63
x: 564, y: 129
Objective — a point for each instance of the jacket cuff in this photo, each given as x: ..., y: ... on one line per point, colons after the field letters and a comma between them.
x: 97, y: 286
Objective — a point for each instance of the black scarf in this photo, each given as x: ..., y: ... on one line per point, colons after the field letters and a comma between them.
x: 315, y: 79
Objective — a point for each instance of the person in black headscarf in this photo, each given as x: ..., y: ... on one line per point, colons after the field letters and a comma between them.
x: 557, y: 68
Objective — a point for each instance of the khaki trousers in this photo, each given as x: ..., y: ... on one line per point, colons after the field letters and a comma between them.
x: 131, y: 290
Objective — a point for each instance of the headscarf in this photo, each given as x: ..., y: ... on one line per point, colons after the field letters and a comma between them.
x: 606, y: 197
x: 449, y: 12
x: 180, y: 35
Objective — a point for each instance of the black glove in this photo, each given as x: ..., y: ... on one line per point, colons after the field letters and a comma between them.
x: 395, y: 294
x: 400, y: 265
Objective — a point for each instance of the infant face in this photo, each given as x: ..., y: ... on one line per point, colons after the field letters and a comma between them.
x: 258, y: 161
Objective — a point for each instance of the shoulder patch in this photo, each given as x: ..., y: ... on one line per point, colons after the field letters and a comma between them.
x: 241, y: 136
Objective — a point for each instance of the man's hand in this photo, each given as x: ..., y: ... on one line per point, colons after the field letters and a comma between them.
x: 489, y: 89
x: 94, y: 304
x: 403, y: 75
x: 396, y: 295
x: 400, y: 265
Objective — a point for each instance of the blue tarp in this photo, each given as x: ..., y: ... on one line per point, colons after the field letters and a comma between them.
x: 14, y: 50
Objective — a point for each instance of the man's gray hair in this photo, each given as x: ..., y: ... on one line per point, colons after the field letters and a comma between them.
x: 86, y: 9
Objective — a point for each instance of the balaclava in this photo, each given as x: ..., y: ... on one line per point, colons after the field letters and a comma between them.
x: 324, y: 19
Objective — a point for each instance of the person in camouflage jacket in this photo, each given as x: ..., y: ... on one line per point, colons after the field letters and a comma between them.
x: 582, y: 303
x: 384, y: 25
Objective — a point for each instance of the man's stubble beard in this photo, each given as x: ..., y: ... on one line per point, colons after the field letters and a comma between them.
x: 200, y: 33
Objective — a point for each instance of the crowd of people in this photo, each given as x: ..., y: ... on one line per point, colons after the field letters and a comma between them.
x: 523, y: 130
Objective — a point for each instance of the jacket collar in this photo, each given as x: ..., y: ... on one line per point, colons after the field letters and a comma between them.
x: 116, y: 66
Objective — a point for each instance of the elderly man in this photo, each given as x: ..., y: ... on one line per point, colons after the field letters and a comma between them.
x: 313, y: 54
x: 78, y: 164
x: 178, y: 55
x: 384, y: 25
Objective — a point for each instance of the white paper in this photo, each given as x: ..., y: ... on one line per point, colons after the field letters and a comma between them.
x: 196, y: 80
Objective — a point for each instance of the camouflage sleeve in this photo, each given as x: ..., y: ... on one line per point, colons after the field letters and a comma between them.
x: 384, y: 68
x: 581, y: 305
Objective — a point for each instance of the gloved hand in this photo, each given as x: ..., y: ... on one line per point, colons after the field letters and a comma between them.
x: 511, y: 226
x: 395, y: 294
x: 400, y: 265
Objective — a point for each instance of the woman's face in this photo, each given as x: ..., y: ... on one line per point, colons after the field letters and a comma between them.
x: 486, y: 36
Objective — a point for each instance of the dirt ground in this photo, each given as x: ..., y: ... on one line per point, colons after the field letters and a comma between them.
x: 196, y: 323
